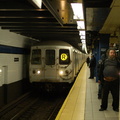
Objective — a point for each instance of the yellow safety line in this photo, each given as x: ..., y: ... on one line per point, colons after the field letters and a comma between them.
x: 78, y: 96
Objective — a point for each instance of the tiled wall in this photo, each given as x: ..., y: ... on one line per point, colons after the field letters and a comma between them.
x: 12, y: 57
x: 14, y: 54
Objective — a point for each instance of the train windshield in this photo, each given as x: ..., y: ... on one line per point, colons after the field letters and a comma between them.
x: 50, y: 57
x: 64, y: 56
x: 36, y: 56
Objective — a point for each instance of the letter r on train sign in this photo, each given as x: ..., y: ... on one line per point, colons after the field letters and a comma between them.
x: 64, y: 56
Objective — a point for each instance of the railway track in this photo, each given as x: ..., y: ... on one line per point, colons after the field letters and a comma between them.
x: 37, y: 107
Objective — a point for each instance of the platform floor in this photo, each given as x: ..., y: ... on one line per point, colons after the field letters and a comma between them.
x: 82, y: 102
x: 93, y: 103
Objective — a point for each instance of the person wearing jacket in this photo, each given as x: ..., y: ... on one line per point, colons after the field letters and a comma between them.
x: 110, y: 72
x: 92, y: 66
x: 100, y: 76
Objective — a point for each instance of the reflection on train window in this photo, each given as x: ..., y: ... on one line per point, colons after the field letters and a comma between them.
x: 36, y: 56
x: 64, y: 56
x: 50, y: 57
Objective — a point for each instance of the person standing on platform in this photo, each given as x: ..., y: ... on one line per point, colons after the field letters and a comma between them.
x: 111, y: 69
x: 92, y: 66
x: 88, y: 61
x: 100, y: 76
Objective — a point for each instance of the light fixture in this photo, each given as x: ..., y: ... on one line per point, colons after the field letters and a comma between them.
x: 82, y: 36
x: 79, y: 17
x: 80, y: 25
x: 81, y: 33
x: 38, y: 3
x: 63, y: 4
x: 83, y: 41
x: 77, y: 10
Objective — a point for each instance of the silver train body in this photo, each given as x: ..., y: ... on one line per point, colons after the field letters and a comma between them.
x: 54, y: 62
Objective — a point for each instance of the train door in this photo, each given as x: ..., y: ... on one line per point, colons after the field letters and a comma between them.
x: 75, y: 63
x: 50, y: 64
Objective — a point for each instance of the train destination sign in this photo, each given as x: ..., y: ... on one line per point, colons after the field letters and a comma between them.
x: 64, y: 56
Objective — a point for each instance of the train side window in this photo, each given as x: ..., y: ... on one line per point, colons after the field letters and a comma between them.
x: 36, y: 56
x: 50, y: 57
x: 64, y: 56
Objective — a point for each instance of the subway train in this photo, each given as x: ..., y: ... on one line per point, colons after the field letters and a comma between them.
x: 54, y: 64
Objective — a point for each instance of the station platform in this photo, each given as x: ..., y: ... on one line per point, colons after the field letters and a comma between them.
x: 82, y: 102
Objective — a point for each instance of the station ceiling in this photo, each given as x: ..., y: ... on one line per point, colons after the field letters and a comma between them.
x: 54, y: 21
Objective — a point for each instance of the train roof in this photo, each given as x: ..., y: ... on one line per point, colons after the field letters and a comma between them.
x: 54, y: 43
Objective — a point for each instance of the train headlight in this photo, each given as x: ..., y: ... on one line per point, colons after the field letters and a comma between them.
x: 60, y: 72
x: 38, y: 71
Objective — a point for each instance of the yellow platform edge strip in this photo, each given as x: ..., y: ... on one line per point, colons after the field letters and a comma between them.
x: 80, y: 86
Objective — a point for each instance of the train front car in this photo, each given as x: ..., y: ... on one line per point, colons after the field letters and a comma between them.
x: 52, y: 65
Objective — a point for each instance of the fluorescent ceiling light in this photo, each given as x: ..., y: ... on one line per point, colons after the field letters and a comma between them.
x: 81, y: 25
x: 83, y: 41
x: 84, y: 47
x: 81, y: 33
x: 38, y: 3
x: 77, y: 10
x: 82, y: 37
x: 63, y: 4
